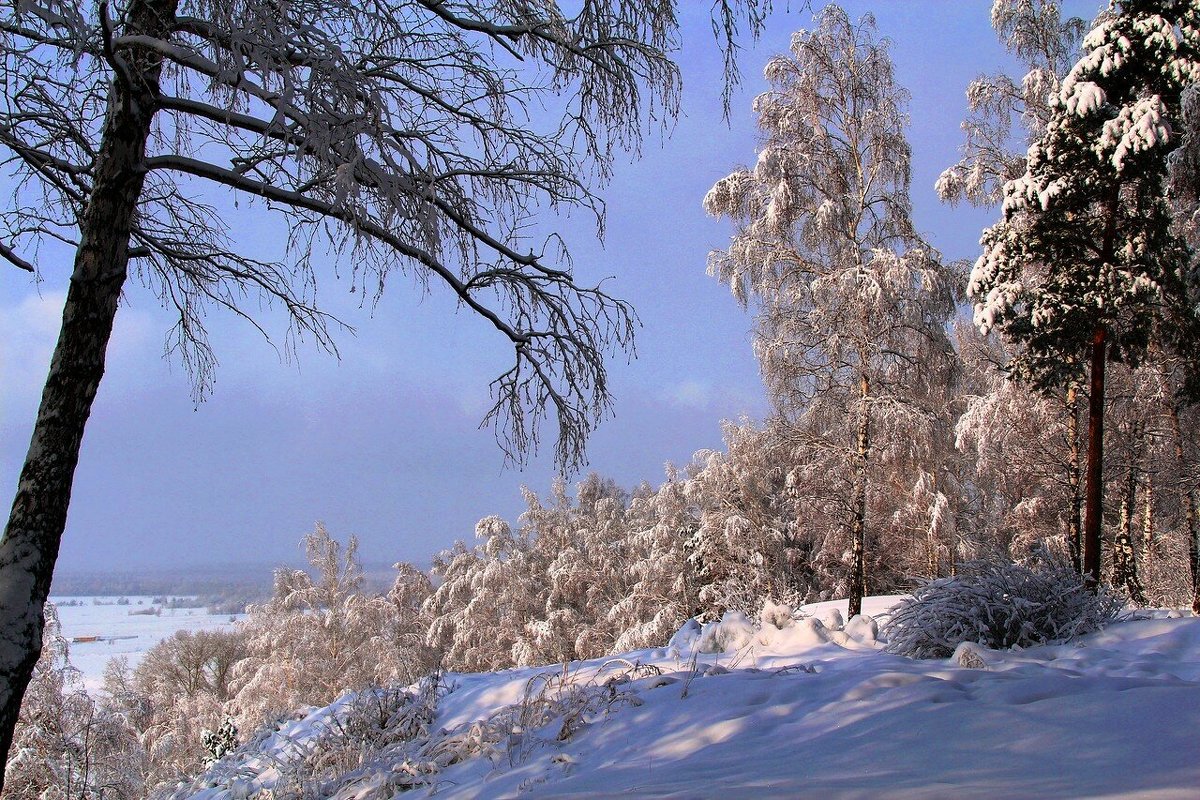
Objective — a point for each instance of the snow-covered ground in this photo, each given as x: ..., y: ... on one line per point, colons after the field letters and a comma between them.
x: 813, y: 709
x: 131, y: 634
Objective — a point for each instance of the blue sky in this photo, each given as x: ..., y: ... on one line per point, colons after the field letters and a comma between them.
x: 384, y: 443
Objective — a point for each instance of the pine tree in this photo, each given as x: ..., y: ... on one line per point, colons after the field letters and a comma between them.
x: 1085, y: 267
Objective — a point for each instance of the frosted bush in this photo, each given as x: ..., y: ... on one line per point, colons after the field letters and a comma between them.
x: 998, y: 605
x: 831, y: 618
x: 779, y: 615
x: 733, y: 632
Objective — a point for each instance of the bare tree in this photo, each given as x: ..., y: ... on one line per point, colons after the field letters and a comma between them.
x: 851, y: 300
x: 399, y: 134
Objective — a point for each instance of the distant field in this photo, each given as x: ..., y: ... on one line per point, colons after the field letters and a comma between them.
x: 121, y: 632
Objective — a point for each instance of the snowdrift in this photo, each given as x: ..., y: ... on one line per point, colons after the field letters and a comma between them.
x: 800, y: 707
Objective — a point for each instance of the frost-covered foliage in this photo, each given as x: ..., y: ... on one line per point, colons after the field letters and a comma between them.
x: 663, y: 587
x: 1021, y: 457
x: 1046, y: 45
x: 574, y: 579
x: 604, y: 572
x: 68, y: 746
x: 321, y: 635
x: 749, y: 543
x: 366, y: 732
x: 1152, y: 502
x: 998, y: 604
x: 851, y: 301
x: 1086, y: 248
x: 378, y: 743
x: 331, y: 750
x: 180, y: 690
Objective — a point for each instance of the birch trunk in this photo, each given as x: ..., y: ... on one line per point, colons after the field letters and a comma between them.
x: 1124, y: 570
x: 34, y: 531
x: 1148, y: 524
x: 858, y: 577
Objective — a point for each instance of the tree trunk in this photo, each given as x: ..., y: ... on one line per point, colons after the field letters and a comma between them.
x: 1073, y: 477
x: 34, y: 531
x: 1189, y: 502
x: 858, y: 577
x: 1093, y: 512
x: 1124, y: 568
x: 1148, y: 524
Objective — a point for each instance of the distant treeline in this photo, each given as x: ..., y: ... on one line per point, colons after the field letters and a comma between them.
x: 221, y: 590
x: 226, y: 591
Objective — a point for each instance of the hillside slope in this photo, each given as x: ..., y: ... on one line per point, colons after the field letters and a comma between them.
x: 812, y: 709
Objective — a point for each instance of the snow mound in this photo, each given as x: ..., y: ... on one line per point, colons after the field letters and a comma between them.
x: 733, y: 632
x: 811, y: 709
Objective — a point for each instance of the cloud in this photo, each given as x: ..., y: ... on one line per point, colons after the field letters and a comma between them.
x: 27, y: 334
x: 721, y: 401
x: 689, y: 394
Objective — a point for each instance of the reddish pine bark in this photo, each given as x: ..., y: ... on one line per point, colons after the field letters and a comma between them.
x: 1093, y: 511
x: 1073, y: 544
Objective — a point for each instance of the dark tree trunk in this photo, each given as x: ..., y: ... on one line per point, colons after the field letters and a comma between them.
x: 1073, y: 547
x: 34, y: 531
x: 858, y: 577
x: 1093, y: 512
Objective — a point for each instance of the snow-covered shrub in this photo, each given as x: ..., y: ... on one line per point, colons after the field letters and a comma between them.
x: 733, y: 632
x: 321, y: 635
x: 345, y: 750
x: 999, y: 605
x: 780, y: 615
x: 381, y: 742
x: 353, y: 750
x: 66, y: 745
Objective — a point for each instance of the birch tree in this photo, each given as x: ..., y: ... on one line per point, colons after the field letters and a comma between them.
x: 850, y: 299
x: 1023, y: 450
x: 1006, y: 115
x: 396, y: 136
x: 321, y: 634
x: 1046, y: 44
x: 1085, y: 266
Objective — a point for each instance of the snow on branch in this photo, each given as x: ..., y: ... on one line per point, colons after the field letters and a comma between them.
x: 399, y: 134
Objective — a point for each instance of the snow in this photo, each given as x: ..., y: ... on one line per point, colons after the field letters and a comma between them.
x: 817, y: 709
x: 102, y: 616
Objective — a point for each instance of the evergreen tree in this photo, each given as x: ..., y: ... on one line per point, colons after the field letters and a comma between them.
x: 1085, y: 266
